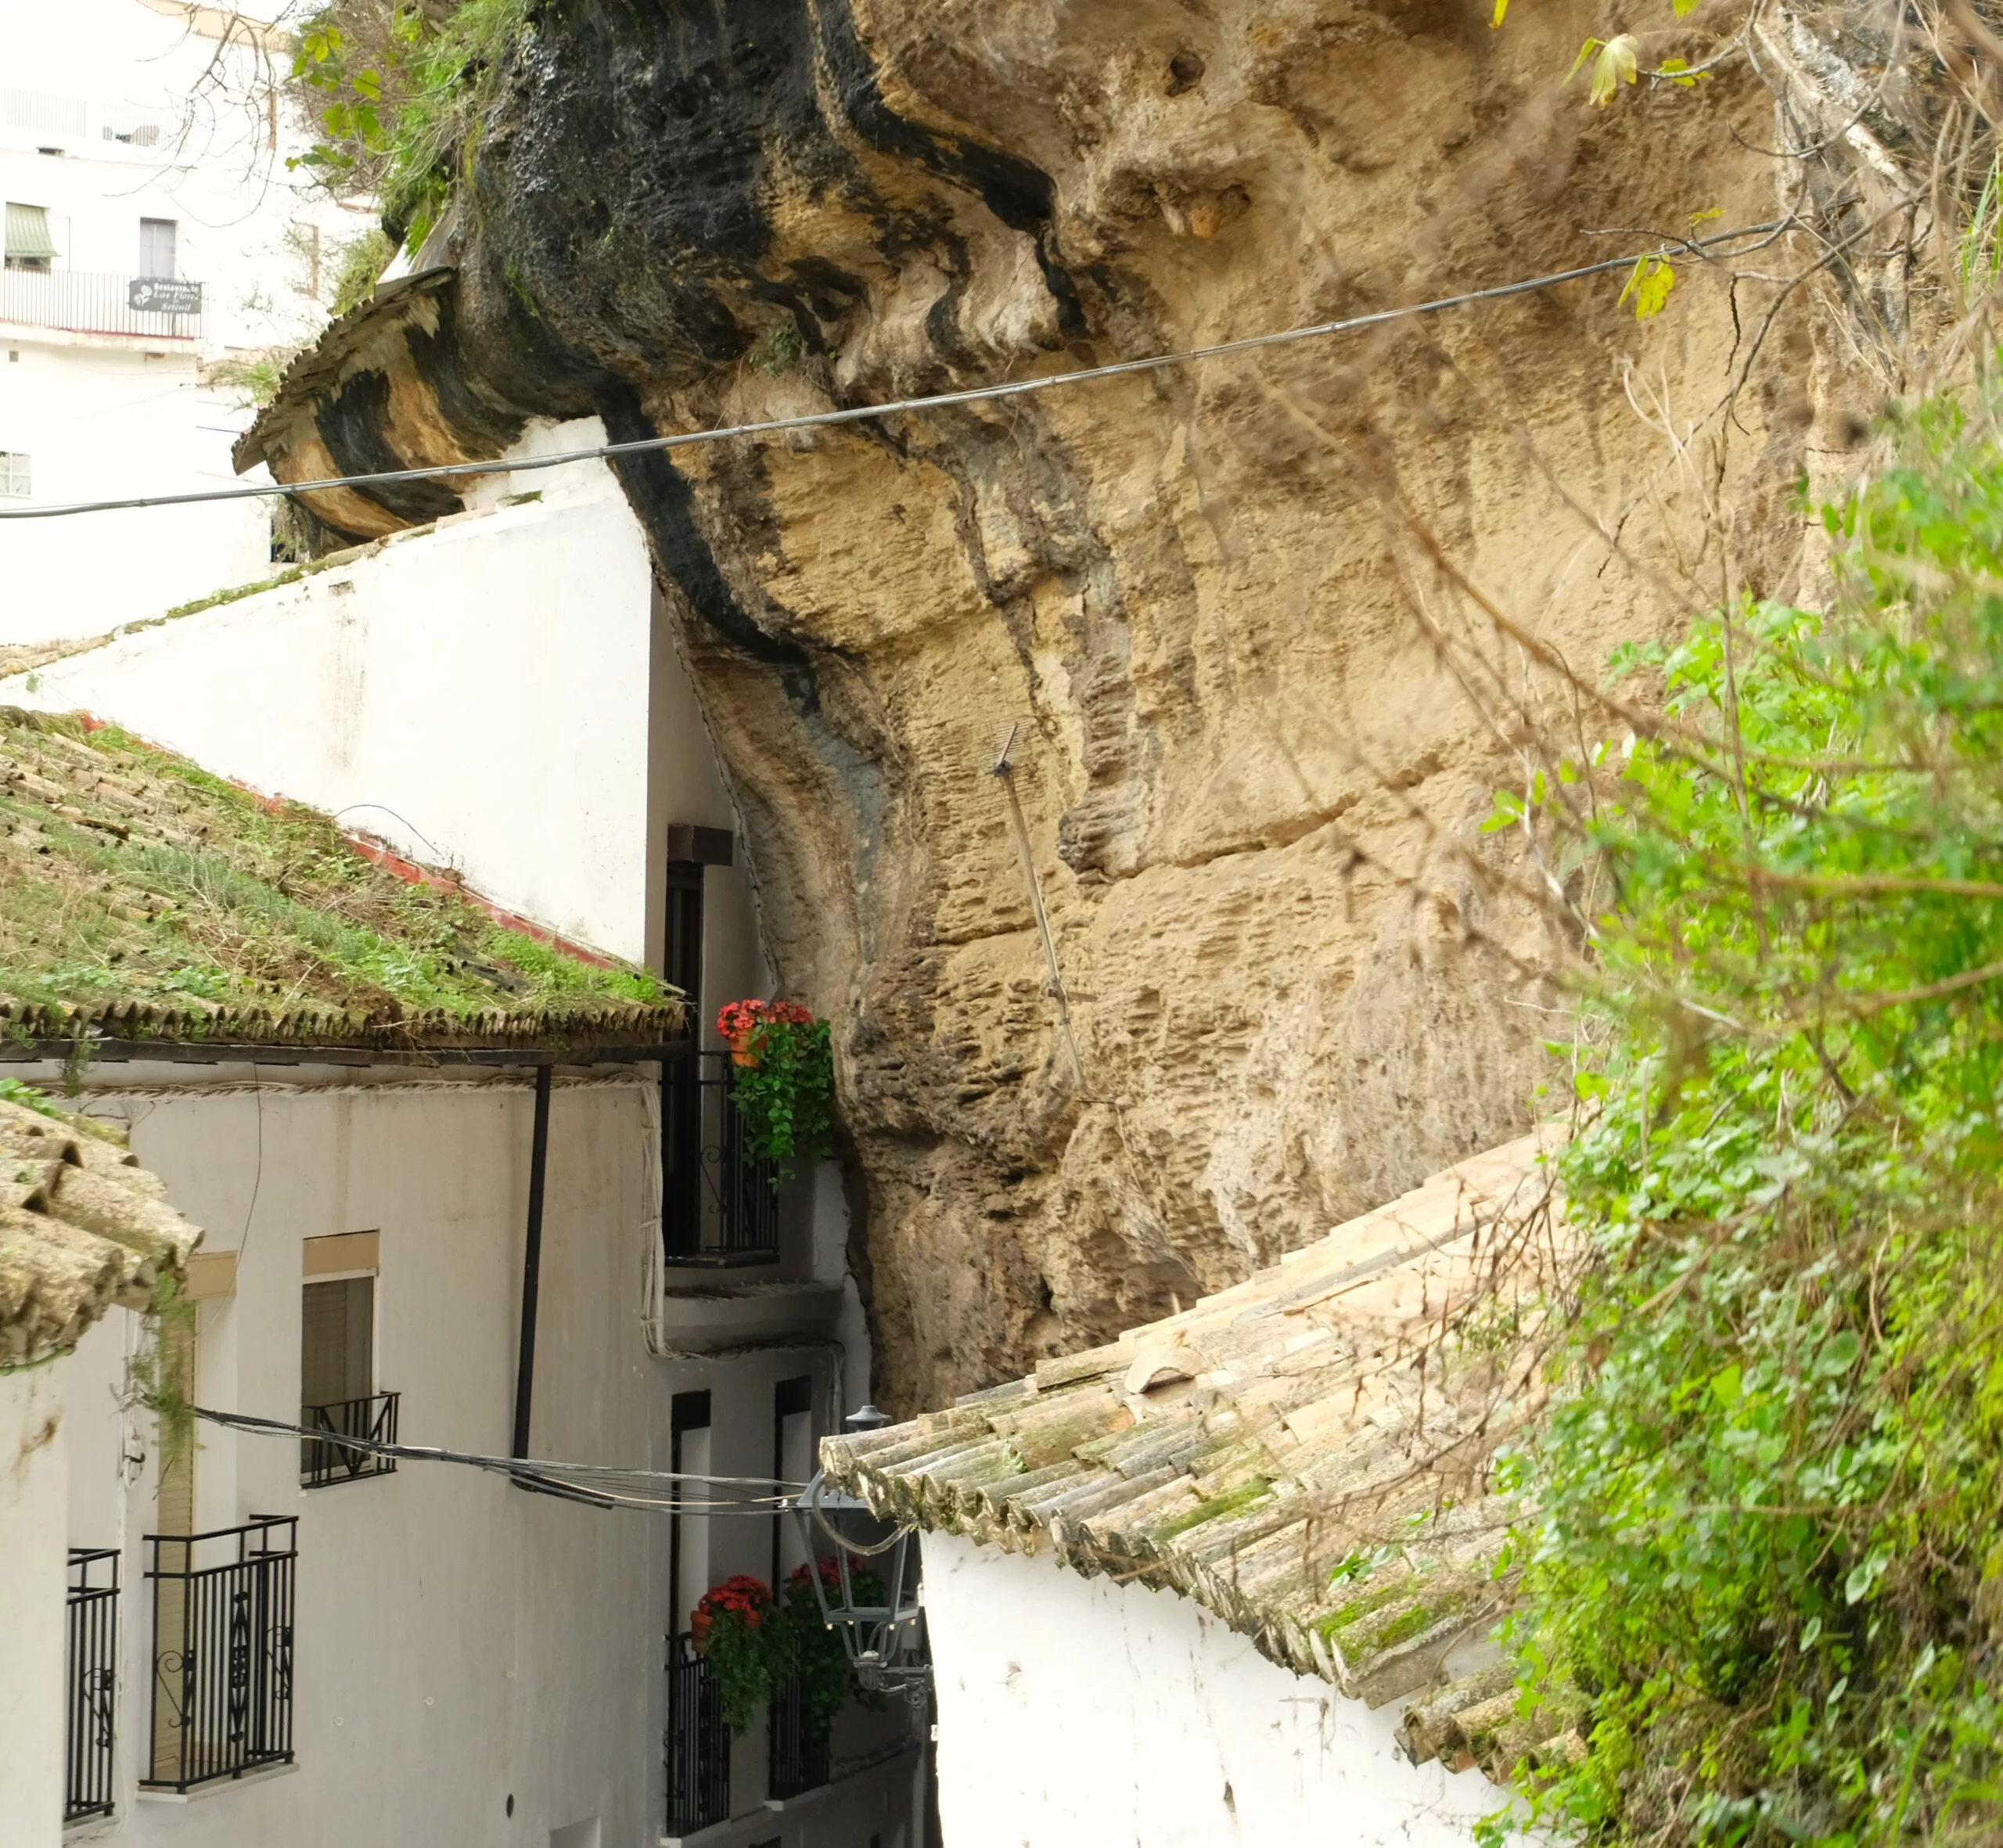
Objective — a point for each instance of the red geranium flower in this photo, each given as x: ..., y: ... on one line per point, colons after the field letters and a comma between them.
x: 736, y: 1019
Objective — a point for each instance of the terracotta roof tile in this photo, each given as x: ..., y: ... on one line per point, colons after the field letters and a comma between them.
x: 82, y: 1226
x: 1305, y: 1454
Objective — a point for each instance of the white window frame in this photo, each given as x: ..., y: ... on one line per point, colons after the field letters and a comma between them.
x: 16, y: 475
x: 172, y: 226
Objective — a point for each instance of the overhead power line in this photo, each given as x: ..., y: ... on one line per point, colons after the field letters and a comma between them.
x: 897, y: 407
x: 657, y: 1491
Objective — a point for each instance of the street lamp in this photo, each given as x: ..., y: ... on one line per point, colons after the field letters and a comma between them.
x: 870, y: 1598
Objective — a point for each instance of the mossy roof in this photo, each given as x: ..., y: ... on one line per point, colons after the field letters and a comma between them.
x: 145, y: 900
x: 82, y: 1226
x: 1306, y: 1455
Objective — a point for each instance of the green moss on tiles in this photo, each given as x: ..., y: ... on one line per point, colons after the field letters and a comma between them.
x: 215, y: 599
x: 1241, y: 1500
x: 1421, y: 1618
x: 1366, y: 1603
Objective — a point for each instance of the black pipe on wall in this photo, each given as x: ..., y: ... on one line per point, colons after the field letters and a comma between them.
x: 532, y: 1263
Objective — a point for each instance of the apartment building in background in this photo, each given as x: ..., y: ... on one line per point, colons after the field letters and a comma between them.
x: 154, y: 232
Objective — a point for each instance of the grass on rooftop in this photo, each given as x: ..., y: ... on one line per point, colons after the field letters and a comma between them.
x: 129, y: 874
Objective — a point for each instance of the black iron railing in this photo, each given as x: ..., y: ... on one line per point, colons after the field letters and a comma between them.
x: 152, y: 307
x: 697, y: 1742
x: 222, y: 1650
x: 719, y: 1204
x: 90, y: 1705
x: 797, y: 1749
x: 325, y: 1460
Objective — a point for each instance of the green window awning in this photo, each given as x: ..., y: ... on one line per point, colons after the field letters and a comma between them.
x: 27, y: 231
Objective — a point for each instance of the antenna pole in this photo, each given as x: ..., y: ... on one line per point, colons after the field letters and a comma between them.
x: 1005, y: 772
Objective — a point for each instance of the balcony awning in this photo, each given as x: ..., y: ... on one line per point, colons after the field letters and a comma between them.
x: 27, y: 232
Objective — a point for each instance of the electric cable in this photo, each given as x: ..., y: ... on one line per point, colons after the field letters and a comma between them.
x: 899, y: 407
x: 660, y: 1491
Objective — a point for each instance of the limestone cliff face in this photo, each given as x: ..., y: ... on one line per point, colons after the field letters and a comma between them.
x: 1255, y: 729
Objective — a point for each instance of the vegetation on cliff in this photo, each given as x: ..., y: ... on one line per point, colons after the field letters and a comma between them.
x: 393, y: 90
x: 1770, y: 1550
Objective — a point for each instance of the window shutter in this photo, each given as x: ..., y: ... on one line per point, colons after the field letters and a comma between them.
x: 27, y: 233
x: 337, y: 1341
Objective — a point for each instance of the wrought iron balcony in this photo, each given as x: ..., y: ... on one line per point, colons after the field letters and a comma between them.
x: 151, y: 307
x: 90, y: 1705
x: 222, y: 1650
x: 326, y: 1460
x: 719, y: 1204
x: 697, y: 1744
x: 797, y: 1750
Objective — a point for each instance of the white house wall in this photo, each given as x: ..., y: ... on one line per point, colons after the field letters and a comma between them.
x: 214, y: 165
x: 477, y: 695
x: 101, y: 421
x: 104, y: 416
x: 1075, y: 1710
x: 32, y: 1484
x: 459, y: 1640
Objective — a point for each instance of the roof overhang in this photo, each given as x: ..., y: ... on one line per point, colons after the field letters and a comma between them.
x: 115, y: 1052
x: 1306, y: 1455
x: 382, y: 389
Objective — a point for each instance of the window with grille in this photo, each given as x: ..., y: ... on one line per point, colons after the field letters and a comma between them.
x: 346, y: 1418
x: 16, y: 476
x: 157, y: 237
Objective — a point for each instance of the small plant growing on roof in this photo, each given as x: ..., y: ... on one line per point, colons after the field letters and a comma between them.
x: 784, y: 1083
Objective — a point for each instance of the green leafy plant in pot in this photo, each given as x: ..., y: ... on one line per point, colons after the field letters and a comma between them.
x: 820, y: 1661
x: 741, y: 1633
x: 784, y: 1083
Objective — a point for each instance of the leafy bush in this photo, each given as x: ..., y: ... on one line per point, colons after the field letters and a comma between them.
x: 754, y: 1642
x: 1769, y: 1550
x: 742, y: 1633
x: 819, y: 1658
x: 784, y: 1083
x: 394, y: 89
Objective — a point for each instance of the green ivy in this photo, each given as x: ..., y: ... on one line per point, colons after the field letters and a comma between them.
x: 1768, y: 1553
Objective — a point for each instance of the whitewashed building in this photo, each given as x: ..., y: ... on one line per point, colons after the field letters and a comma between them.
x: 152, y: 228
x: 1231, y: 1579
x: 472, y: 1662
x: 81, y: 1229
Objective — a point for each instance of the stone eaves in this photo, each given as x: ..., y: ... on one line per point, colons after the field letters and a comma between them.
x: 317, y: 369
x: 1305, y: 1454
x: 82, y: 1226
x: 381, y: 390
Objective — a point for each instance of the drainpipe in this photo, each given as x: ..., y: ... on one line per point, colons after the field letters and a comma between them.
x: 532, y: 1263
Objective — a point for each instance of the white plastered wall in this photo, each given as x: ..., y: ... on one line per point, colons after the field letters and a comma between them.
x: 106, y: 415
x: 104, y: 420
x: 33, y: 1483
x: 1077, y: 1710
x: 458, y: 1641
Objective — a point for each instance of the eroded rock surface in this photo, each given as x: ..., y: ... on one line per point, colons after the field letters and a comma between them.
x: 1201, y: 595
